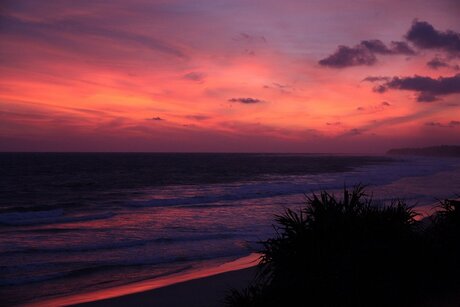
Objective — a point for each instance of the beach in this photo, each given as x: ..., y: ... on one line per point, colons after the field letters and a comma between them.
x: 202, y: 292
x: 210, y: 291
x: 204, y: 287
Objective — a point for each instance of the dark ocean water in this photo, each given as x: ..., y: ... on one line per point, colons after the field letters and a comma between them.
x: 77, y: 222
x: 42, y: 180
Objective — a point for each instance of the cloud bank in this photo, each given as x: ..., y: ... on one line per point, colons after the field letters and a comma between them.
x: 247, y: 100
x: 364, y: 53
x: 421, y: 34
x: 427, y: 88
x: 425, y: 36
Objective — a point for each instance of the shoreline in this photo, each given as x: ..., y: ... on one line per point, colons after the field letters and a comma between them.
x: 207, y: 291
x: 146, y: 287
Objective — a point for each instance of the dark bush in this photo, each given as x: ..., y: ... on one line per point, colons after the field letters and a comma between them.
x: 352, y: 252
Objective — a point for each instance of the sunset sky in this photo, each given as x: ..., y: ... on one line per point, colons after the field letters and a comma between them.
x: 229, y: 76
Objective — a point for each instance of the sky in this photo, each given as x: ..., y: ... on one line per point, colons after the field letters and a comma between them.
x: 229, y: 76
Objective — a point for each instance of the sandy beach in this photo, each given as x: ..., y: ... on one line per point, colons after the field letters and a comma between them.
x: 202, y: 292
x: 200, y: 287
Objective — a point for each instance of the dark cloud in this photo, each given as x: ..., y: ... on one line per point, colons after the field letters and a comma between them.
x: 346, y: 56
x: 355, y: 131
x: 334, y: 124
x: 155, y: 118
x: 375, y: 46
x: 283, y: 88
x: 376, y: 78
x: 401, y: 48
x: 195, y: 76
x: 250, y: 38
x: 437, y: 62
x: 428, y: 89
x: 426, y: 97
x: 421, y: 34
x: 247, y: 100
x: 198, y: 117
x: 66, y: 33
x: 451, y: 124
x: 378, y: 47
x: 374, y: 108
x: 434, y: 124
x: 425, y: 36
x: 364, y: 53
x: 249, y: 52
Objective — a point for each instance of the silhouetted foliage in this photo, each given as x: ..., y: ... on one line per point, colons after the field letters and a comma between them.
x: 351, y: 252
x: 444, y: 240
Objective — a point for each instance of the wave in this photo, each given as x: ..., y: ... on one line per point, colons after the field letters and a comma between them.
x: 120, y: 244
x: 47, y: 217
x: 229, y: 193
x: 80, y: 248
x: 85, y: 267
x: 31, y: 279
x: 218, y: 194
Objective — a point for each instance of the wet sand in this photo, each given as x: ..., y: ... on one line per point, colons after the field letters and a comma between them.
x: 202, y: 292
x: 200, y: 287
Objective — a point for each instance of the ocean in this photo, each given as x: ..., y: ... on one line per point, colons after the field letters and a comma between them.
x: 77, y: 222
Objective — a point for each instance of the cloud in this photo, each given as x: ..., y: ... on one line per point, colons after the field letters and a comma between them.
x: 374, y: 108
x: 375, y: 46
x: 67, y: 33
x: 401, y: 48
x: 426, y: 97
x: 428, y: 89
x: 346, y: 56
x: 155, y: 118
x: 434, y: 124
x: 437, y: 62
x: 247, y: 100
x: 376, y: 78
x: 421, y: 34
x: 195, y: 76
x: 334, y: 124
x: 364, y: 53
x: 250, y: 38
x: 425, y: 36
x: 451, y: 124
x: 283, y: 88
x: 198, y: 117
x: 354, y: 132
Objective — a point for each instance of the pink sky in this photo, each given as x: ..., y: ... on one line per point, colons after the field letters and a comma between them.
x: 232, y: 76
